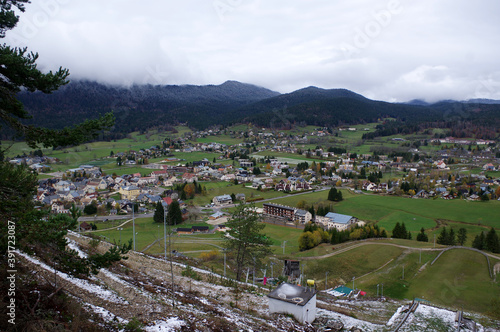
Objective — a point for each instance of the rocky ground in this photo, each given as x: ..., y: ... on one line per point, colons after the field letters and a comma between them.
x: 139, y: 290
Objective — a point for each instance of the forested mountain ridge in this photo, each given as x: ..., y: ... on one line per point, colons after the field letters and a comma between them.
x: 319, y: 107
x: 141, y: 107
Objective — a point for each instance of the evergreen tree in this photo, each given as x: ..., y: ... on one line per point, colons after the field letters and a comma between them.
x: 492, y: 242
x: 335, y: 236
x: 174, y: 213
x: 451, y: 241
x: 332, y: 194
x: 443, y: 236
x: 479, y: 241
x: 311, y: 210
x: 320, y: 211
x: 404, y: 233
x: 396, y: 231
x: 246, y: 244
x: 159, y: 213
x: 422, y: 236
x: 461, y: 236
x: 90, y: 208
x: 20, y: 72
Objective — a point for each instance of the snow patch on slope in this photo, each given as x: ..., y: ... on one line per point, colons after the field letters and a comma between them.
x: 97, y: 290
x: 171, y: 324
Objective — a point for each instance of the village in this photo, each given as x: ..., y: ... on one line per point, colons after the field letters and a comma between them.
x: 444, y: 173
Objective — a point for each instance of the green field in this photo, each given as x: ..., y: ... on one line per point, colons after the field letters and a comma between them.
x: 459, y: 279
x: 412, y: 222
x: 376, y: 208
x: 472, y: 231
x: 353, y: 263
x: 312, y: 197
x: 148, y: 232
x: 75, y: 156
x: 278, y: 234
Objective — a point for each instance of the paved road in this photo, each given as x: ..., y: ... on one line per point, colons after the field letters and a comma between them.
x: 115, y: 217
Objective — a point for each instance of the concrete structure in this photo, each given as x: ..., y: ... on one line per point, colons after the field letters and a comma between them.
x: 277, y: 210
x: 295, y: 300
x: 339, y: 221
x: 245, y: 163
x: 129, y: 192
x: 302, y: 216
x: 222, y: 200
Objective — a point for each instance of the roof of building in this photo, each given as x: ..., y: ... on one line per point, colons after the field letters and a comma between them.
x: 292, y: 294
x: 128, y: 188
x: 279, y: 206
x: 338, y: 218
x: 341, y: 291
x: 223, y: 197
x: 217, y: 214
x: 301, y: 212
x: 200, y: 228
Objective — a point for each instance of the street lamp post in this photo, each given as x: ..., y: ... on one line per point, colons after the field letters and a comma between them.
x: 133, y: 223
x: 253, y: 282
x: 165, y: 233
x: 224, y: 251
x: 171, y: 263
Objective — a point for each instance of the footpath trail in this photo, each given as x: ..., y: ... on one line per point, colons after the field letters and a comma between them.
x: 108, y: 229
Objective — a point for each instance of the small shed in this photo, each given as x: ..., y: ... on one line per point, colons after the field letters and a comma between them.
x: 181, y: 230
x: 295, y: 300
x: 216, y: 215
x: 200, y: 229
x: 85, y: 227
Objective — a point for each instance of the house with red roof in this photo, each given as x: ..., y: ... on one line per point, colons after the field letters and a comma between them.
x: 189, y: 177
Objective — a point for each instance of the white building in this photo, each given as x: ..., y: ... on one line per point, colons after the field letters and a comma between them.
x: 335, y: 220
x: 222, y: 200
x: 295, y: 300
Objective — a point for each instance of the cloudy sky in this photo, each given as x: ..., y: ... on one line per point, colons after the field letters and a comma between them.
x: 394, y: 50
